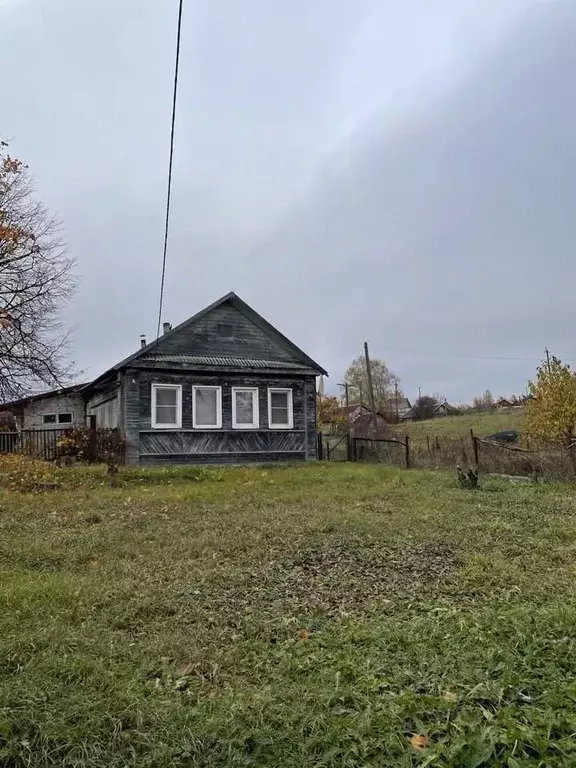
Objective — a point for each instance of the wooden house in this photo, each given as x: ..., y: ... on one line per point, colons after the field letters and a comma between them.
x: 439, y: 410
x: 223, y: 387
x: 361, y: 421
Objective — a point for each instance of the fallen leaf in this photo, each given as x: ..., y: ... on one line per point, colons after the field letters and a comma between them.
x: 419, y: 742
x: 304, y: 634
x: 450, y: 696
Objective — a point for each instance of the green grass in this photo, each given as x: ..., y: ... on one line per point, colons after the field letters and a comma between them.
x: 454, y: 427
x: 306, y: 616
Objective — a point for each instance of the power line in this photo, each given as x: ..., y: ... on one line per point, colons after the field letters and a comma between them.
x: 473, y: 357
x: 169, y: 190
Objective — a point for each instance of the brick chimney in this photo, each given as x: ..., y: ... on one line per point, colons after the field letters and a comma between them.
x: 167, y: 327
x: 142, y: 340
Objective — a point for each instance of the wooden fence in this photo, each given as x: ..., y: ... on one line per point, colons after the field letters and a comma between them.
x: 40, y: 443
x: 388, y: 450
x: 550, y: 462
x: 347, y: 448
x: 45, y: 443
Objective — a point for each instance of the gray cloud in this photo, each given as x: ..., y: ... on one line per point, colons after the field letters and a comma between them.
x: 355, y: 170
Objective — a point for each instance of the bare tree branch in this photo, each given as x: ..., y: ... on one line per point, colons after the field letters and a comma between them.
x: 36, y: 281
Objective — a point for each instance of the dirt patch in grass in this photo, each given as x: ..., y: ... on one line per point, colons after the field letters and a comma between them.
x: 341, y: 577
x: 338, y: 578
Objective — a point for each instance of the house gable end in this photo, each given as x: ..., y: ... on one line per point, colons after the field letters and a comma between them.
x: 224, y: 332
x: 227, y: 328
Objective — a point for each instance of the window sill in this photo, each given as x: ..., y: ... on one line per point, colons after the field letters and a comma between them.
x: 223, y: 429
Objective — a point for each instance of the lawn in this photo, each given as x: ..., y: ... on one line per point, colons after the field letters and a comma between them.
x: 454, y: 427
x: 341, y: 615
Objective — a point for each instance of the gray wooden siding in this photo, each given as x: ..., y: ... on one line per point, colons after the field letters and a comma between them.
x: 217, y: 442
x: 69, y: 403
x: 222, y: 458
x: 227, y: 445
x: 202, y: 338
x: 104, y: 405
x: 106, y: 413
x: 130, y: 413
x: 310, y: 416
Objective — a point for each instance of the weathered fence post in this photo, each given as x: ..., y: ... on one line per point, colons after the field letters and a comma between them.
x: 355, y: 448
x: 407, y: 449
x: 328, y: 449
x: 319, y: 445
x: 437, y: 444
x: 428, y: 444
x: 474, y: 448
x: 92, y: 438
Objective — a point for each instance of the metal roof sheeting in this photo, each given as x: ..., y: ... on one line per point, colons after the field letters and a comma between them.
x: 228, y: 362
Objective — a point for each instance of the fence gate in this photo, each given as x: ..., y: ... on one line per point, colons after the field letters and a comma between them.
x: 385, y: 450
x: 334, y: 447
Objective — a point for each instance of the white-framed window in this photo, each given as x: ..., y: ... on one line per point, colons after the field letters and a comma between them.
x: 245, y: 412
x: 52, y: 419
x: 167, y: 406
x: 206, y: 407
x: 280, y: 410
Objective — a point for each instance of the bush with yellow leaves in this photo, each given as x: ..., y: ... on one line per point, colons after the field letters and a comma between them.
x: 25, y: 473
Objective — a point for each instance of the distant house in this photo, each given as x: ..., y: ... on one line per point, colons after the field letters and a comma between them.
x: 445, y: 409
x: 223, y: 387
x: 65, y: 407
x: 441, y: 409
x: 363, y: 422
x: 398, y: 408
x: 513, y: 403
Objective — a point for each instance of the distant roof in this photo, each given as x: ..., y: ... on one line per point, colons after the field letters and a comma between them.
x: 52, y: 393
x: 345, y: 410
x: 229, y: 362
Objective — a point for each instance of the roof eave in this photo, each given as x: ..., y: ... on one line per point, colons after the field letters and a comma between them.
x: 222, y: 369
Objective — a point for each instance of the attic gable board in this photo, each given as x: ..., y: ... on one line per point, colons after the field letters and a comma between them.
x: 202, y: 337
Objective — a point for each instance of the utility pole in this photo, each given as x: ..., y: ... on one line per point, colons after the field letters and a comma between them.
x: 369, y: 377
x: 346, y: 395
x: 348, y: 430
x: 396, y: 401
x: 419, y: 393
x: 547, y: 358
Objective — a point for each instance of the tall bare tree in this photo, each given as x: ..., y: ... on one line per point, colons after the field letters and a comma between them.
x: 36, y: 280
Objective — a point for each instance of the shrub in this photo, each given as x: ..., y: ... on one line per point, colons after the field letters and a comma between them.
x: 76, y: 444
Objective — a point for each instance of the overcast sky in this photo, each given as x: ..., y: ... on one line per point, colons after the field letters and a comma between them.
x: 402, y: 173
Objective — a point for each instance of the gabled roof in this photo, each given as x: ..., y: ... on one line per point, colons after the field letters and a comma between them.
x: 237, y: 303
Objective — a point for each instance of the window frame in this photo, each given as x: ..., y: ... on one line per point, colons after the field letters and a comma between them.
x: 218, y: 390
x: 255, y: 408
x: 178, y: 424
x: 284, y: 390
x: 57, y: 421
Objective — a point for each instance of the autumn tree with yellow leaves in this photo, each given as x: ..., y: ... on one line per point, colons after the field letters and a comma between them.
x: 329, y: 412
x: 551, y: 409
x: 36, y: 280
